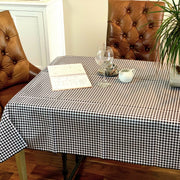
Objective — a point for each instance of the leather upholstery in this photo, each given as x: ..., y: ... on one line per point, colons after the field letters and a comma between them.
x: 7, y: 93
x: 131, y: 29
x: 1, y: 110
x: 15, y: 69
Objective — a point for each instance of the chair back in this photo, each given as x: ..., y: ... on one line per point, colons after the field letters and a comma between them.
x: 131, y: 29
x: 14, y: 67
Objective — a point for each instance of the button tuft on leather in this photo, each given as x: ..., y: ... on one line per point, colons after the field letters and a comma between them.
x: 140, y: 36
x: 14, y: 62
x: 7, y: 37
x: 134, y: 23
x: 128, y: 10
x: 131, y: 46
x: 116, y: 45
x: 3, y: 52
x: 145, y: 11
x: 9, y: 76
x: 151, y: 25
x: 124, y: 35
x: 147, y: 49
x: 118, y: 22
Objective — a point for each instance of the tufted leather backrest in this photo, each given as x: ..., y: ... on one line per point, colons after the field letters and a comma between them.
x: 14, y: 67
x: 131, y: 29
x: 1, y: 110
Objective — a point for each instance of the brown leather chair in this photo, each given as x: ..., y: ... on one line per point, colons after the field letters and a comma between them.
x: 0, y: 111
x: 131, y: 29
x: 15, y: 70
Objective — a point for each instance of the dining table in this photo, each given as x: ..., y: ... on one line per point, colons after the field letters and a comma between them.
x: 136, y: 122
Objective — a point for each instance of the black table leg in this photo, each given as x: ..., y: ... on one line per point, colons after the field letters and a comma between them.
x: 79, y: 160
x: 65, y: 170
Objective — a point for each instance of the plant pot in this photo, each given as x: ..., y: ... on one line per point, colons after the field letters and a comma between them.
x: 174, y: 74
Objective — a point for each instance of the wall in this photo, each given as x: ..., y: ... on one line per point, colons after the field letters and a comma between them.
x: 85, y: 26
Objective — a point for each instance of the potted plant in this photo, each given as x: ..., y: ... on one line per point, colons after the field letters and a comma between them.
x: 168, y: 35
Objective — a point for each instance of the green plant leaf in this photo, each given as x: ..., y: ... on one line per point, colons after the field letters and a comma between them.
x: 167, y: 38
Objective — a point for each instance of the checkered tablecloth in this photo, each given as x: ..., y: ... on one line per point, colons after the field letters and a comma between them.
x: 137, y: 122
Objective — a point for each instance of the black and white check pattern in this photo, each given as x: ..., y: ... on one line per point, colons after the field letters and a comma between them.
x: 137, y: 122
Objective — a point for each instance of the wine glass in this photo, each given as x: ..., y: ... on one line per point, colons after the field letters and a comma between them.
x: 108, y: 56
x: 103, y: 58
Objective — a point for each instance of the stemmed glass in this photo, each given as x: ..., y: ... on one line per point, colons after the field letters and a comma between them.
x: 109, y: 56
x: 104, y: 58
